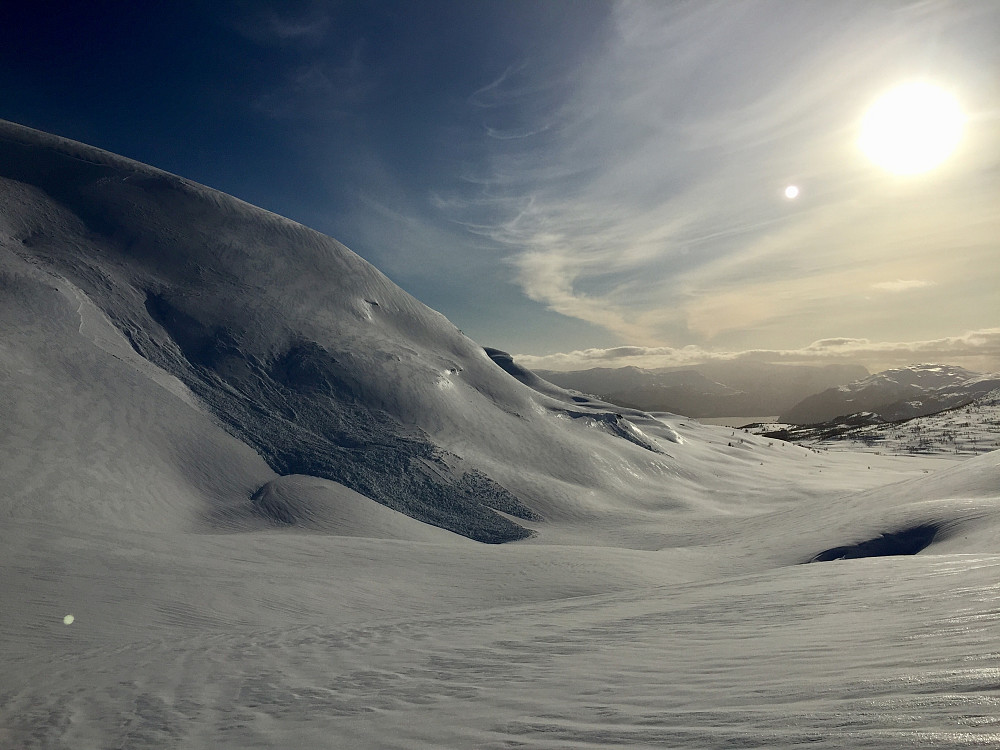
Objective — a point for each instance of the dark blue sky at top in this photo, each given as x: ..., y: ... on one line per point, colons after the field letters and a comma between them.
x: 557, y: 175
x: 309, y: 109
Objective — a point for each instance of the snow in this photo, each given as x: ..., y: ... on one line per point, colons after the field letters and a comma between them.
x: 660, y: 599
x: 897, y: 394
x: 966, y: 430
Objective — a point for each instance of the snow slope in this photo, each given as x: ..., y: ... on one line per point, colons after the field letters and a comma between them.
x: 254, y: 472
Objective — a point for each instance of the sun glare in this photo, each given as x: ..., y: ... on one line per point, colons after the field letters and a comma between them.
x: 912, y: 128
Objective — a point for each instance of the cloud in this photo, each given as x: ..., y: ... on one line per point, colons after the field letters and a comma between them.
x: 320, y: 90
x: 643, y: 192
x: 305, y: 25
x: 500, y: 90
x: 901, y: 285
x: 980, y: 346
x: 298, y: 29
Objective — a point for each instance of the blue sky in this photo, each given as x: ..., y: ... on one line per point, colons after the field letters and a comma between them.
x: 580, y: 183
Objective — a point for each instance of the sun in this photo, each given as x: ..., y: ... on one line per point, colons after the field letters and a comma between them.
x: 912, y: 128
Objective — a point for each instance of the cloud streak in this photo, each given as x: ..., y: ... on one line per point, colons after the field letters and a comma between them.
x: 902, y: 285
x: 307, y: 24
x: 977, y: 348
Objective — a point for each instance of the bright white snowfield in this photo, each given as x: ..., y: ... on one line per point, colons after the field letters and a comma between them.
x: 179, y: 371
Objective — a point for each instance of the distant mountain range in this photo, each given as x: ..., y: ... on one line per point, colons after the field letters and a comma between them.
x: 894, y: 395
x: 800, y: 394
x: 718, y: 389
x: 969, y: 429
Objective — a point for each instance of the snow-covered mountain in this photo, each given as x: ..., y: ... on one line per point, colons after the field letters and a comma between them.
x: 970, y: 429
x: 244, y: 477
x: 896, y: 394
x: 294, y: 345
x: 714, y: 389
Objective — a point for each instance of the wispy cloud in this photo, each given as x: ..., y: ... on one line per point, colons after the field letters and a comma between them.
x: 647, y: 196
x: 902, y: 285
x: 318, y: 69
x: 299, y: 24
x: 975, y: 347
x: 313, y: 28
x: 319, y: 90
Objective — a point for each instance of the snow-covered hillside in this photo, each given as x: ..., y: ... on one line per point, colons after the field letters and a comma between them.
x: 962, y: 431
x: 900, y: 393
x: 245, y: 481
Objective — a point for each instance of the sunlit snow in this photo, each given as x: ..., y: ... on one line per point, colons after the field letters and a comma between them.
x: 654, y: 594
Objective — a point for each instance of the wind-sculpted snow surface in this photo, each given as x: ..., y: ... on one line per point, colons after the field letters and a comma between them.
x: 305, y: 412
x: 244, y: 477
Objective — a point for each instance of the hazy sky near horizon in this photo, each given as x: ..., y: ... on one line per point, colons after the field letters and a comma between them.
x: 602, y: 181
